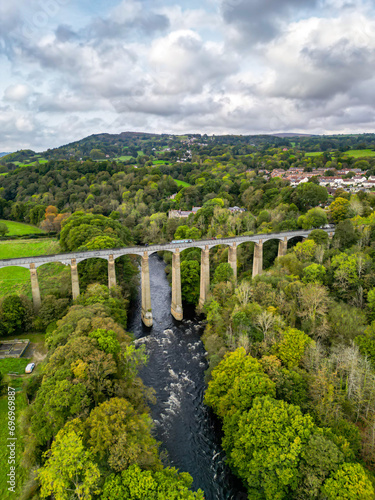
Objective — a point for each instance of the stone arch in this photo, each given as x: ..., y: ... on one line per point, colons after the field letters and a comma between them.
x: 273, y: 248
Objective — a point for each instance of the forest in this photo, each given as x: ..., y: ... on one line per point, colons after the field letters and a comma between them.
x: 291, y: 352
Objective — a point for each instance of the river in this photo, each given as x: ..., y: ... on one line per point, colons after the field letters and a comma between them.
x: 187, y: 429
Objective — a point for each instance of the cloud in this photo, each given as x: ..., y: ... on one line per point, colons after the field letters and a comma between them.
x: 183, y: 62
x: 258, y: 21
x: 16, y: 92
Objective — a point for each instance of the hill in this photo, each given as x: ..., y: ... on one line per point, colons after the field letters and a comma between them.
x: 127, y: 147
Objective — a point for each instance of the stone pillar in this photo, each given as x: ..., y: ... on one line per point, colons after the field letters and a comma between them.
x: 258, y: 258
x: 283, y: 247
x: 75, y: 279
x: 232, y: 260
x: 111, y: 272
x: 35, y: 288
x: 146, y: 292
x: 176, y: 307
x: 205, y: 276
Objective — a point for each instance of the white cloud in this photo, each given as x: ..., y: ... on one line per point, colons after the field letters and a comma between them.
x: 17, y: 92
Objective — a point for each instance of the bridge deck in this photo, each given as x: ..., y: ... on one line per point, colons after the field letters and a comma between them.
x: 66, y: 258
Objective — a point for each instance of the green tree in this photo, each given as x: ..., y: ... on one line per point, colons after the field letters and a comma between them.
x: 107, y: 340
x: 345, y: 234
x: 292, y: 347
x: 223, y: 272
x: 305, y: 250
x: 320, y: 458
x: 309, y: 195
x: 314, y: 273
x: 118, y: 435
x: 349, y: 482
x: 69, y: 469
x: 190, y: 281
x: 235, y: 364
x: 3, y: 229
x: 13, y: 315
x: 135, y: 484
x: 339, y: 209
x: 265, y: 447
x: 315, y: 217
x: 319, y: 236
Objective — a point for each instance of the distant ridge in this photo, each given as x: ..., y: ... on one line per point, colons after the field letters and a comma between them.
x: 4, y: 154
x: 294, y: 134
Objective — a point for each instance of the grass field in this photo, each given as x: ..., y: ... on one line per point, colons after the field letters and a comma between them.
x: 12, y: 249
x: 160, y: 162
x: 16, y: 365
x: 123, y: 158
x: 318, y: 153
x: 182, y: 183
x: 360, y: 153
x: 17, y: 279
x: 20, y: 404
x: 17, y: 228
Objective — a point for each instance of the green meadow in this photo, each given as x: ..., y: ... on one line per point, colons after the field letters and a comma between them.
x: 17, y: 228
x: 360, y: 153
x: 181, y: 183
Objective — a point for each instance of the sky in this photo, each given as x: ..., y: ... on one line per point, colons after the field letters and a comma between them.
x: 72, y: 68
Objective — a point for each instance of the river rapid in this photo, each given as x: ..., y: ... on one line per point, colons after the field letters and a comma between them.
x: 187, y: 429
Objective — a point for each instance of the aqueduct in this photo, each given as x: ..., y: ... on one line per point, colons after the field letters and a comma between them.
x: 72, y: 260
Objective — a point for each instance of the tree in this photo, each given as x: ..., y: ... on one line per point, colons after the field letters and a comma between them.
x: 315, y: 217
x: 107, y: 340
x: 135, y: 484
x: 120, y: 436
x: 235, y: 364
x: 223, y: 272
x: 13, y: 315
x: 314, y: 273
x: 349, y: 482
x: 3, y: 229
x: 319, y: 236
x: 69, y: 469
x: 80, y: 228
x: 309, y: 195
x: 190, y: 281
x: 291, y: 348
x: 56, y: 401
x: 345, y: 234
x: 319, y: 459
x: 305, y: 250
x: 314, y: 301
x: 265, y: 446
x: 339, y: 209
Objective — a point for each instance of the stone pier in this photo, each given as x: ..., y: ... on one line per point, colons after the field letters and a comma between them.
x: 111, y: 272
x: 35, y: 288
x: 75, y: 279
x: 205, y: 276
x: 232, y: 259
x: 258, y: 258
x: 283, y: 247
x: 146, y: 292
x: 176, y: 306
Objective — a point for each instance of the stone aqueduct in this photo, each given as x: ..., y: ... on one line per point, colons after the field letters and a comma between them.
x: 72, y: 260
